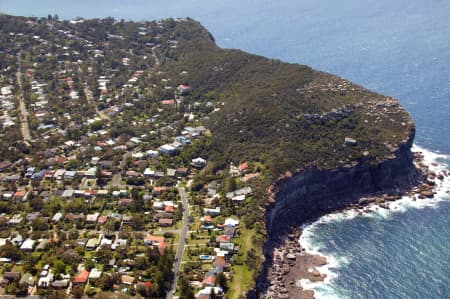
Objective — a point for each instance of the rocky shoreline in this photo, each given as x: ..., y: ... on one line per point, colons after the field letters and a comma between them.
x: 291, y: 263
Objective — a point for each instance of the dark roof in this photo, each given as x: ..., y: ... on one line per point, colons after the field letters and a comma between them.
x: 4, y: 165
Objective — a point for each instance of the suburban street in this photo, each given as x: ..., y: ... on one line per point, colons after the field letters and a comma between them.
x: 118, y: 176
x: 181, y: 243
x: 23, y: 109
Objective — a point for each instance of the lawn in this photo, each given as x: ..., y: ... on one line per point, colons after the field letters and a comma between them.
x: 242, y: 281
x: 243, y: 277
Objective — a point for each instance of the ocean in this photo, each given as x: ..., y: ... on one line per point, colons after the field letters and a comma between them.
x: 399, y: 48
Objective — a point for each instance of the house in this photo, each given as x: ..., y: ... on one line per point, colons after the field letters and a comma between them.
x: 168, y: 150
x: 45, y: 277
x: 21, y: 195
x: 81, y: 278
x: 148, y: 173
x: 144, y: 284
x: 158, y: 206
x: 91, y: 243
x: 74, y: 217
x: 210, y: 279
x: 152, y: 153
x: 223, y: 239
x: 171, y: 172
x: 350, y: 141
x: 102, y: 220
x: 11, y: 178
x: 57, y: 217
x: 168, y: 102
x: 42, y: 245
x: 60, y: 284
x: 212, y: 212
x: 69, y: 175
x: 227, y: 246
x: 183, y: 140
x: 243, y: 191
x: 234, y: 171
x: 3, y: 241
x: 91, y: 172
x: 243, y: 167
x: 126, y: 279
x: 119, y: 243
x: 59, y: 174
x: 165, y: 222
x: 12, y: 275
x: 68, y: 193
x: 7, y: 195
x: 206, y: 219
x: 95, y: 274
x: 44, y: 195
x: 183, y: 89
x: 198, y: 162
x: 153, y: 240
x: 82, y: 242
x: 237, y: 200
x: 32, y: 216
x: 38, y: 175
x: 15, y: 219
x: 105, y: 243
x: 17, y: 240
x: 206, y: 292
x: 92, y: 217
x: 162, y: 247
x: 182, y: 171
x: 231, y: 222
x: 28, y: 245
x: 4, y: 165
x: 107, y: 164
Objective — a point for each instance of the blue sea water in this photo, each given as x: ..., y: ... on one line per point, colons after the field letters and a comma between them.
x: 400, y: 48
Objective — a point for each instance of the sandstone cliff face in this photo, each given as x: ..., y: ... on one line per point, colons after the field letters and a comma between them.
x: 311, y: 193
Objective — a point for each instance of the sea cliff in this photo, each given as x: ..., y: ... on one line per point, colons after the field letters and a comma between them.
x: 305, y: 195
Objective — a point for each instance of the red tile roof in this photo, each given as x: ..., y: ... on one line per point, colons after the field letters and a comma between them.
x: 223, y: 238
x: 155, y: 239
x: 162, y: 247
x: 243, y: 166
x: 82, y: 277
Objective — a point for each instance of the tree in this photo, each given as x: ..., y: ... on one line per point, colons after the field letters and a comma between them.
x: 10, y: 251
x: 141, y: 262
x: 106, y: 282
x: 185, y: 290
x: 78, y: 292
x: 39, y: 224
x: 36, y: 203
x: 70, y: 257
x: 221, y: 281
x: 59, y: 267
x: 138, y: 221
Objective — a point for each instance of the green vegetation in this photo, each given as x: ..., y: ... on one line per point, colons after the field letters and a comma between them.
x: 105, y: 94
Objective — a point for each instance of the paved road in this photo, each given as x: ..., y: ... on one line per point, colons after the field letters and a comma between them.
x: 23, y: 109
x: 115, y: 182
x: 181, y: 243
x: 90, y: 99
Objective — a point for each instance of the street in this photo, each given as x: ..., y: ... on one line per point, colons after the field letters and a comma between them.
x: 23, y: 109
x: 181, y: 243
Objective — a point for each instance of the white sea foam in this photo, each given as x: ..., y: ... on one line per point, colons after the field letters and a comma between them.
x: 436, y: 162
